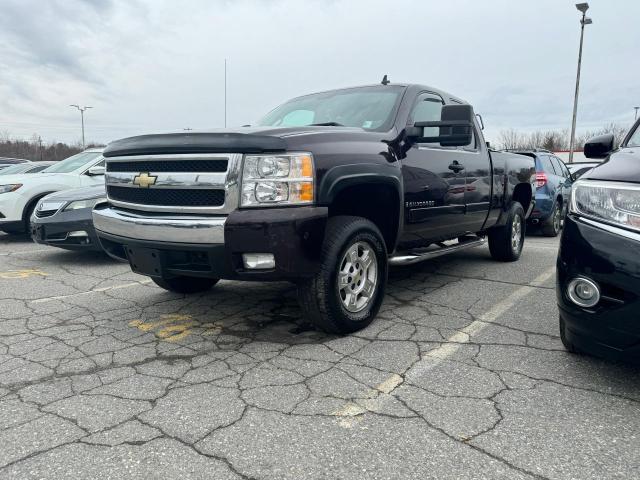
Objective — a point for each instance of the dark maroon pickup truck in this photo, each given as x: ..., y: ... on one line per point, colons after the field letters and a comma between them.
x: 326, y: 191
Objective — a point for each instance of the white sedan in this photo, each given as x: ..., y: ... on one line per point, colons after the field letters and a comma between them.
x: 19, y: 194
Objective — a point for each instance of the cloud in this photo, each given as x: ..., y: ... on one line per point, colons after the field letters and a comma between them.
x: 157, y: 65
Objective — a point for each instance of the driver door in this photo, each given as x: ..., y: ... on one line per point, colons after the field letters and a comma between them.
x: 434, y: 182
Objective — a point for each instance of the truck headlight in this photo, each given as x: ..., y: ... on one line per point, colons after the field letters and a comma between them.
x: 80, y: 204
x: 10, y: 188
x: 286, y: 179
x: 612, y: 202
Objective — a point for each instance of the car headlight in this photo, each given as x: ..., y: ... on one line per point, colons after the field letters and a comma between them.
x: 286, y: 179
x: 80, y: 204
x: 10, y: 188
x: 612, y: 202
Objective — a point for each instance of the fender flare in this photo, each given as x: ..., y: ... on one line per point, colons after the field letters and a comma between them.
x: 344, y: 176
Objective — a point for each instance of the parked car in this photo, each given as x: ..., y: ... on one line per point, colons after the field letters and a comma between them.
x: 27, y: 167
x: 19, y: 194
x: 63, y: 219
x: 553, y: 191
x: 577, y: 169
x: 7, y: 162
x: 327, y: 191
x: 598, y: 282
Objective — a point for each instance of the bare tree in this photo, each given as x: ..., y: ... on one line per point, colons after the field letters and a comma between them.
x: 35, y: 149
x: 554, y: 140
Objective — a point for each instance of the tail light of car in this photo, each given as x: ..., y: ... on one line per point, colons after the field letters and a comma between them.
x: 541, y: 179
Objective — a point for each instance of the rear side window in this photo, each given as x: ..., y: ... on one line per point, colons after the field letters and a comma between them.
x: 544, y: 164
x: 559, y: 166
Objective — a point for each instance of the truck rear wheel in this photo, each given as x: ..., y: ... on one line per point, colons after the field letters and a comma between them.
x: 506, y: 242
x: 185, y: 284
x: 346, y: 294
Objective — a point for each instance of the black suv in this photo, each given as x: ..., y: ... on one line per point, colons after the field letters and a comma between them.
x: 598, y: 285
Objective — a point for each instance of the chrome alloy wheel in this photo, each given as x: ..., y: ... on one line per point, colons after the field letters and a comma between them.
x: 357, y: 277
x: 516, y: 233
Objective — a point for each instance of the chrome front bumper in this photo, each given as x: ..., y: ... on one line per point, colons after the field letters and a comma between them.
x: 163, y: 228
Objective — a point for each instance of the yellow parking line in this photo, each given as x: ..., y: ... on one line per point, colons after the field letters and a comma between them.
x: 13, y: 274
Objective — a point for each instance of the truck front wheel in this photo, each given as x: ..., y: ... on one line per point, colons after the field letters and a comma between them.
x: 185, y: 284
x: 506, y: 242
x: 346, y: 294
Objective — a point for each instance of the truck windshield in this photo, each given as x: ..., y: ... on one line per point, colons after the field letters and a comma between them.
x: 72, y: 163
x: 371, y: 108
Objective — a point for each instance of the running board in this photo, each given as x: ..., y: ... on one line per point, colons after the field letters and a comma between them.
x: 415, y: 257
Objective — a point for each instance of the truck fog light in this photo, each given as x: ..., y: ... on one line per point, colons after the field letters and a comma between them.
x: 583, y: 292
x: 258, y: 261
x: 78, y: 233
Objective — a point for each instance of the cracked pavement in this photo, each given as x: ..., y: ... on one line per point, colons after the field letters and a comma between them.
x: 104, y: 375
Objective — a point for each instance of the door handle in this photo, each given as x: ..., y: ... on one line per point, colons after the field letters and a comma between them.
x: 456, y: 167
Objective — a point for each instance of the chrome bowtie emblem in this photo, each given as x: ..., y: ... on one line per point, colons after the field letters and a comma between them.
x: 144, y: 180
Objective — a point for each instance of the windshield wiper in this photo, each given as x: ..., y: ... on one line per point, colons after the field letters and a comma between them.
x: 327, y: 124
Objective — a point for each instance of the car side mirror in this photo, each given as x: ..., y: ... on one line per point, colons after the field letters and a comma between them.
x: 455, y: 127
x: 96, y: 170
x: 600, y: 146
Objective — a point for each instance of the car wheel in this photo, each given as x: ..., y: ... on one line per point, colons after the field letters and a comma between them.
x: 347, y: 292
x: 568, y: 346
x: 506, y: 242
x: 185, y: 284
x: 551, y: 226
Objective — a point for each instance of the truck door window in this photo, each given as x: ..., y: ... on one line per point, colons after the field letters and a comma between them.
x: 428, y: 108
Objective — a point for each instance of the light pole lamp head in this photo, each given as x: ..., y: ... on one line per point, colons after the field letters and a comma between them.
x: 586, y: 21
x: 583, y: 7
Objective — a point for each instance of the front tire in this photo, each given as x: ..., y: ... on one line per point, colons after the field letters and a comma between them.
x: 347, y: 292
x: 185, y: 284
x: 506, y: 242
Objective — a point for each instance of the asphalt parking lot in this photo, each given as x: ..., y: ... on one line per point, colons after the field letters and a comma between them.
x: 104, y: 375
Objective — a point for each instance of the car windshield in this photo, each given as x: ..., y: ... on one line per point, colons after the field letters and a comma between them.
x: 14, y: 169
x: 72, y: 163
x: 634, y: 141
x: 371, y: 108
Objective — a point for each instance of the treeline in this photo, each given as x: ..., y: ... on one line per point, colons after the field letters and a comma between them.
x: 554, y: 140
x: 36, y: 150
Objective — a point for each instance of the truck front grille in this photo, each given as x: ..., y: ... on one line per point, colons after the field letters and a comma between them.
x: 213, y: 166
x: 198, y: 183
x: 170, y: 197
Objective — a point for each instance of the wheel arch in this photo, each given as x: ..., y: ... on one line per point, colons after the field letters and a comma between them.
x: 370, y: 191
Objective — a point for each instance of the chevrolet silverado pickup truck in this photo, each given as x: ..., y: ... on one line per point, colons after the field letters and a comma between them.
x: 327, y: 190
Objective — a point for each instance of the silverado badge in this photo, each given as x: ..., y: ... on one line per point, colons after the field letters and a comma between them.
x: 144, y: 180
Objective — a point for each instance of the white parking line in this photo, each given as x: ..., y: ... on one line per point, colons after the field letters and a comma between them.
x: 382, y: 393
x: 89, y: 292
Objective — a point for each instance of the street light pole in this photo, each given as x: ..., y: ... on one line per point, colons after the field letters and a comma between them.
x: 636, y: 112
x: 81, y: 110
x: 583, y: 7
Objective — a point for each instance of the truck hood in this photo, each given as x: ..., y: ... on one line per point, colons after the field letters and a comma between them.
x: 75, y: 194
x: 240, y: 140
x: 622, y: 166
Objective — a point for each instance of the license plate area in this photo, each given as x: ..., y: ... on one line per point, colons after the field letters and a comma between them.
x: 145, y: 261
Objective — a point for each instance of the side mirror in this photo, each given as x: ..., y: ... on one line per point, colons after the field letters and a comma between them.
x: 456, y: 127
x: 600, y: 147
x: 95, y: 171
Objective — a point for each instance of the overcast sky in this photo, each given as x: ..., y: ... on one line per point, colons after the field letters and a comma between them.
x: 153, y: 66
